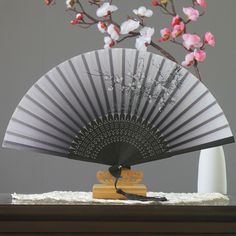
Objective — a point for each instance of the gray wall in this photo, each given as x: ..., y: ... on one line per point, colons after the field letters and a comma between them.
x: 34, y: 38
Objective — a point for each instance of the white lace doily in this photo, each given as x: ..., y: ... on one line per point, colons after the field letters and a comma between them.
x: 68, y: 197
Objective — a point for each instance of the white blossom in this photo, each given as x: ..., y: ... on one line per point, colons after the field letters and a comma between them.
x: 143, y: 12
x: 147, y: 33
x: 106, y: 9
x: 102, y: 27
x: 113, y: 31
x: 70, y: 4
x: 128, y: 26
x: 144, y: 39
x: 141, y: 44
x: 109, y: 42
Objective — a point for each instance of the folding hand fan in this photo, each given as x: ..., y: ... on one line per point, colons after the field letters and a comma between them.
x: 118, y: 107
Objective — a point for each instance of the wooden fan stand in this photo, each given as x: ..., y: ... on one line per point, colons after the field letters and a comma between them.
x: 129, y: 182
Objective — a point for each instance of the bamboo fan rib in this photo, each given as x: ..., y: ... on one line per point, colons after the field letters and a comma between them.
x: 118, y: 106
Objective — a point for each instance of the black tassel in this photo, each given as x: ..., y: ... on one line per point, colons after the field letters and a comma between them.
x: 116, y: 172
x: 131, y: 196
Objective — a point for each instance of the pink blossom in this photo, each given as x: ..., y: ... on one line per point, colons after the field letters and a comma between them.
x: 175, y: 20
x: 209, y: 39
x: 106, y: 9
x: 201, y: 3
x: 189, y: 60
x: 143, y: 12
x: 191, y: 13
x: 128, y: 26
x: 165, y: 34
x: 102, y: 27
x: 74, y: 22
x: 113, y: 31
x: 48, y: 2
x: 191, y: 41
x: 199, y: 55
x: 155, y: 3
x: 79, y: 16
x: 178, y: 30
x: 109, y: 42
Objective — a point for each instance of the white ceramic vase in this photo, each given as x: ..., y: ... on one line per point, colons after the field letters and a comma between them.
x: 212, y: 171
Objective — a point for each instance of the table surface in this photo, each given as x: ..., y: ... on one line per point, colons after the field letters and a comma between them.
x: 99, y: 219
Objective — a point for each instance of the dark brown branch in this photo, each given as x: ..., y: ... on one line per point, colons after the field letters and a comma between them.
x: 197, y: 71
x: 166, y: 10
x: 126, y: 37
x: 134, y: 33
x: 73, y: 10
x: 202, y: 13
x: 110, y: 18
x: 173, y: 7
x: 163, y: 51
x: 187, y: 21
x: 180, y: 44
x: 94, y: 3
x: 85, y: 13
x: 84, y: 27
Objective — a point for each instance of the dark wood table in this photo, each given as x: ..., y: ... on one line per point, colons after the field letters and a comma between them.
x: 115, y: 219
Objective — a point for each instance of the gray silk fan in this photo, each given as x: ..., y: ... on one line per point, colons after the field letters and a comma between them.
x: 117, y: 107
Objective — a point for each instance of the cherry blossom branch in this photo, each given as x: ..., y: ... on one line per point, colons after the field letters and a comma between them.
x: 116, y: 33
x: 191, y: 42
x: 131, y: 35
